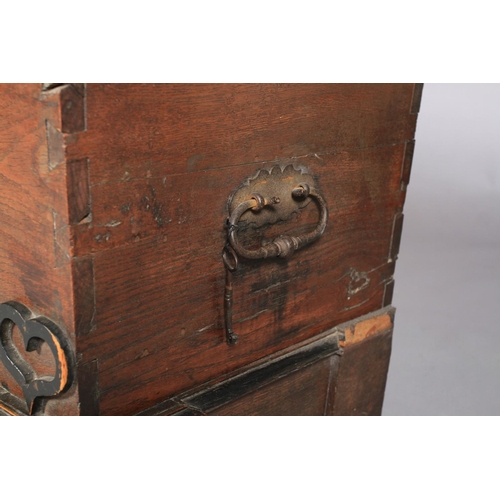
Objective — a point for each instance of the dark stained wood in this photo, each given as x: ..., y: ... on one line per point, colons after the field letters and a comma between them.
x: 366, y: 326
x: 112, y: 224
x: 396, y: 236
x: 165, y: 408
x: 271, y: 389
x: 388, y: 293
x: 265, y: 373
x: 188, y: 412
x: 407, y: 162
x: 300, y: 380
x: 176, y: 205
x: 141, y: 282
x: 417, y: 98
x: 167, y: 129
x: 31, y: 194
x: 302, y: 393
x: 140, y: 215
x: 84, y: 296
x: 35, y: 213
x: 362, y: 377
x: 88, y: 384
x: 72, y: 105
x: 78, y: 191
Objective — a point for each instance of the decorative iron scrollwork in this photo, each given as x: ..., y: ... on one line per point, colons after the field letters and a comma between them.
x: 268, y: 197
x: 34, y: 331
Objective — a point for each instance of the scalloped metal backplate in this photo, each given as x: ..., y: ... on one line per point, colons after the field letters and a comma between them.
x: 277, y: 181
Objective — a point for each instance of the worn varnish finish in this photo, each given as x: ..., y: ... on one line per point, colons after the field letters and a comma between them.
x: 277, y: 303
x: 298, y: 381
x: 362, y: 376
x: 35, y: 266
x: 172, y: 129
x: 302, y: 393
x: 124, y: 188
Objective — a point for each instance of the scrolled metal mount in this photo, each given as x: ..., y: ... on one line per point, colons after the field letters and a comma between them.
x: 34, y: 330
x: 282, y: 192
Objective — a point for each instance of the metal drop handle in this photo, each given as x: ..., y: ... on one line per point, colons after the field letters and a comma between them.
x: 282, y: 246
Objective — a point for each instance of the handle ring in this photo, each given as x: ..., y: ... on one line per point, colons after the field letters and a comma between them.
x: 282, y: 246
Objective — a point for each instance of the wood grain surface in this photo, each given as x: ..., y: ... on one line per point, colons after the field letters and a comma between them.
x: 159, y: 183
x: 35, y: 268
x: 302, y: 393
x: 144, y: 130
x: 302, y: 380
x: 362, y: 376
x: 113, y: 220
x: 159, y: 298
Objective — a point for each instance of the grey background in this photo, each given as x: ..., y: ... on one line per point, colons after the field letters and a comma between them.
x: 446, y: 347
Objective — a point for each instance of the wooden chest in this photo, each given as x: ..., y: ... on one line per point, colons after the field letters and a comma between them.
x: 200, y: 249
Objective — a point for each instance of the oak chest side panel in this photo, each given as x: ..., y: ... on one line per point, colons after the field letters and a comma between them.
x: 143, y: 130
x: 159, y: 183
x: 35, y: 262
x: 113, y: 218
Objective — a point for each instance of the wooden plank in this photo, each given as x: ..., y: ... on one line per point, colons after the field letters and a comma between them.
x: 193, y: 206
x: 300, y: 380
x: 417, y: 98
x: 165, y: 409
x: 78, y: 191
x: 407, y: 162
x: 302, y: 393
x: 72, y: 105
x: 129, y: 221
x: 88, y: 384
x: 362, y: 374
x: 388, y: 293
x: 397, y: 232
x: 30, y: 195
x: 84, y: 295
x: 159, y: 299
x: 269, y: 373
x: 35, y: 264
x: 159, y: 184
x: 164, y: 129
